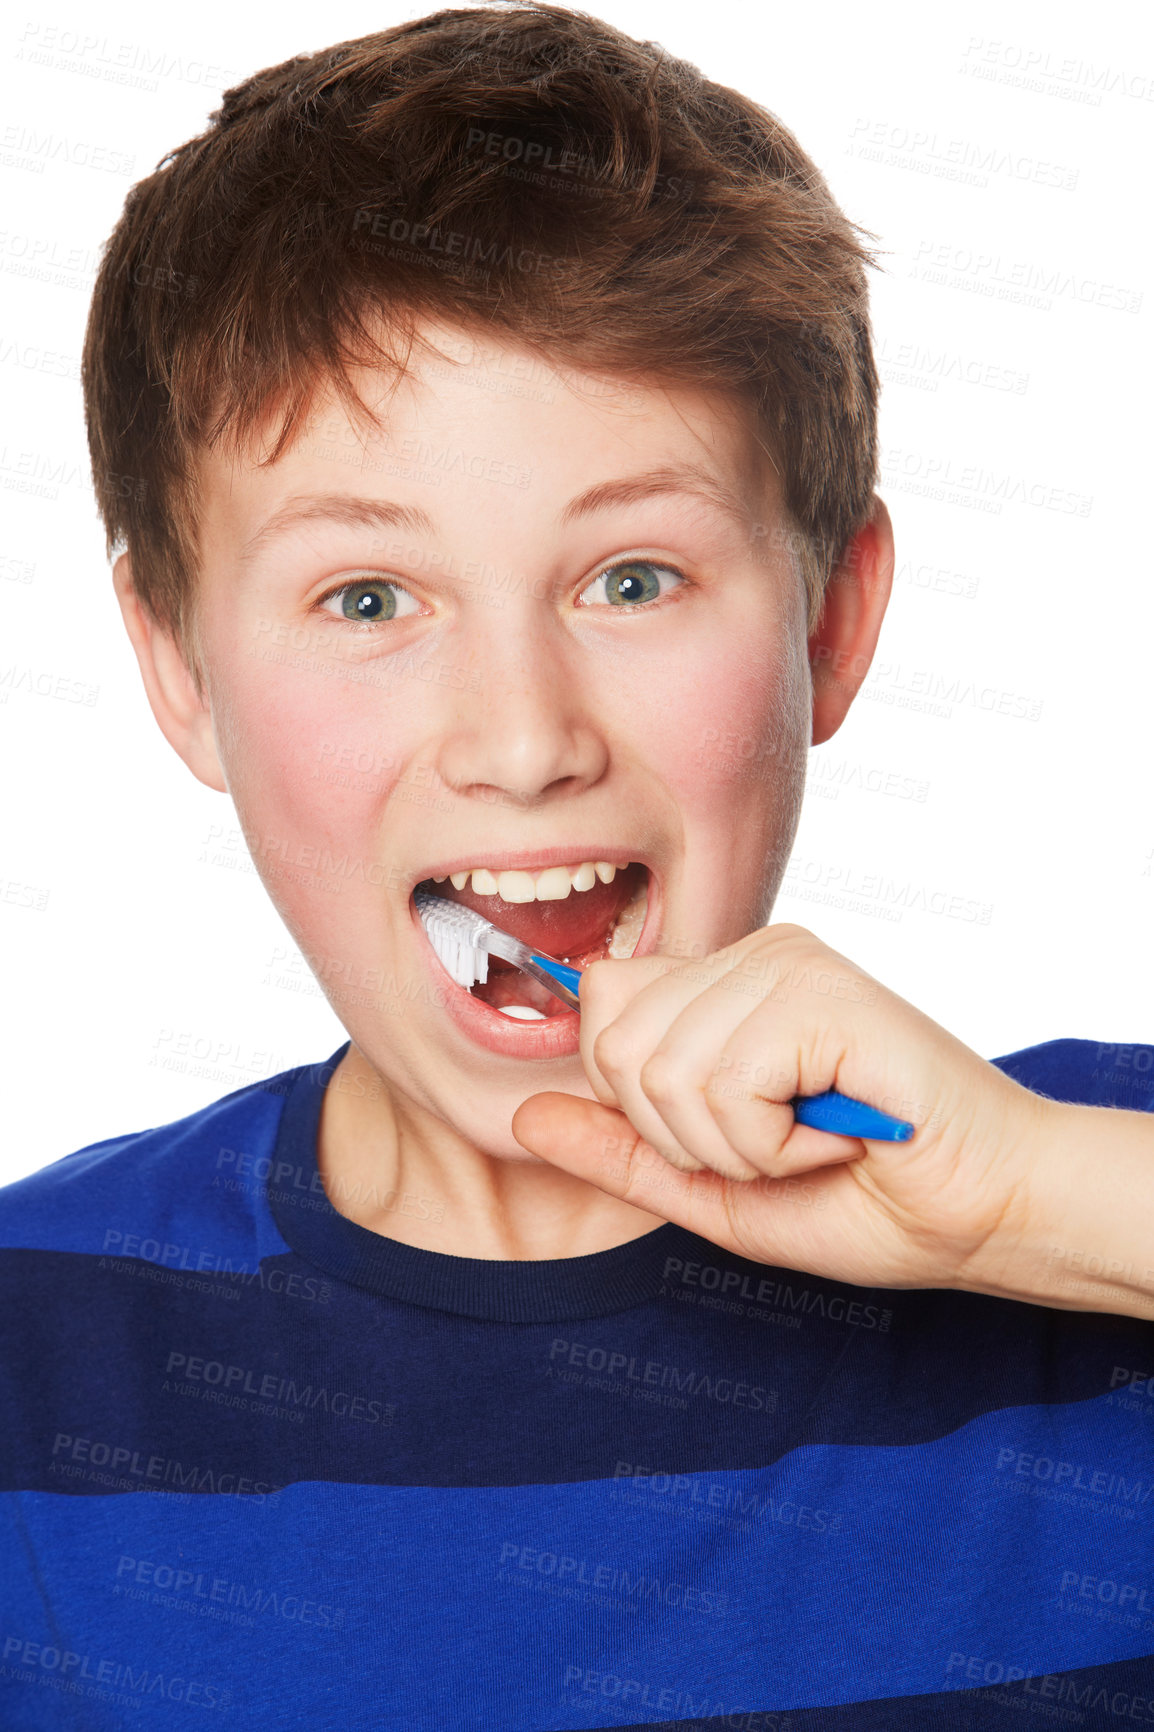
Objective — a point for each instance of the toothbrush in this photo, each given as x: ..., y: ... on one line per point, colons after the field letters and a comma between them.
x: 464, y: 940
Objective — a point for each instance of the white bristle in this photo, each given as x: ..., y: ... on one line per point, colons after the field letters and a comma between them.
x: 457, y: 934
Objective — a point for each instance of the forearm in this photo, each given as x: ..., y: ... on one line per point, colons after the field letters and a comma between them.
x: 1082, y: 1233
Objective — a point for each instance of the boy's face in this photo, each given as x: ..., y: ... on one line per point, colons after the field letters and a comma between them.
x: 506, y: 696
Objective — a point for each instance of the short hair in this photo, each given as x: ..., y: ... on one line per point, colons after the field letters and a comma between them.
x: 530, y: 171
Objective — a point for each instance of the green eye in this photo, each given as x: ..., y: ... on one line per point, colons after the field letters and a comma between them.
x: 634, y: 581
x: 366, y: 600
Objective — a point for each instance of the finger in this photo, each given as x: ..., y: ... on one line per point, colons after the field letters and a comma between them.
x: 667, y: 1099
x: 599, y: 1145
x: 748, y: 1098
x: 606, y: 989
x: 647, y: 1067
x: 733, y: 1109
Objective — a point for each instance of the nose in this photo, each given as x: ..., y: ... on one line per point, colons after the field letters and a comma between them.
x: 524, y: 730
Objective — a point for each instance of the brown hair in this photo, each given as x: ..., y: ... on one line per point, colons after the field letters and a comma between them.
x: 531, y: 170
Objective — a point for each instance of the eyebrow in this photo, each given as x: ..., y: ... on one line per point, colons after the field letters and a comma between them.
x: 672, y: 478
x: 335, y: 508
x: 388, y: 514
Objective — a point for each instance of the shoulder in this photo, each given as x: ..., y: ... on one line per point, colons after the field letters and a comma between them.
x: 1088, y: 1072
x: 162, y: 1194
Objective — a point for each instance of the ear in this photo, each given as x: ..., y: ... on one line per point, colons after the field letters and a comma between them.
x: 182, y: 715
x: 843, y: 643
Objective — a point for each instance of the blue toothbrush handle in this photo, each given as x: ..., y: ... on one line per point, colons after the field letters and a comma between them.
x: 561, y: 971
x: 849, y: 1118
x: 840, y: 1114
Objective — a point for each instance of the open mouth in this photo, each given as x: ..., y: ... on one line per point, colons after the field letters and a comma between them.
x: 581, y: 928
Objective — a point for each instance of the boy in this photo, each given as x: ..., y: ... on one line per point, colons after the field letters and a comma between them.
x: 519, y: 435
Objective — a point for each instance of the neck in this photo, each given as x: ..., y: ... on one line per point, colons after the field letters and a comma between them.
x: 408, y: 1177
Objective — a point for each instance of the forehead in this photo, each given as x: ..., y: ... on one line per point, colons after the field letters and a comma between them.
x: 471, y: 406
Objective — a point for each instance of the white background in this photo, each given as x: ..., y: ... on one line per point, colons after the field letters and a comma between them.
x: 1001, y: 154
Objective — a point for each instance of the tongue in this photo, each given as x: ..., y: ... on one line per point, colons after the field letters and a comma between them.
x: 570, y: 928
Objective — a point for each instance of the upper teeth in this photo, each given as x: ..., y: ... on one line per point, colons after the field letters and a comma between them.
x: 551, y: 885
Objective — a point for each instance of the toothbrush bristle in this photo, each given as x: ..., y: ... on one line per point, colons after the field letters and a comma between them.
x: 457, y: 935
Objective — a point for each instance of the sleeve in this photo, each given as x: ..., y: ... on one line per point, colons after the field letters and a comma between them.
x: 1087, y: 1072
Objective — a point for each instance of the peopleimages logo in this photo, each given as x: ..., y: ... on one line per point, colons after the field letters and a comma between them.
x: 67, y: 1669
x: 213, y: 1591
x: 1076, y: 1476
x: 653, y: 1372
x: 613, y: 1579
x: 667, y: 1699
x: 1107, y: 1592
x: 111, y: 1463
x: 738, y: 1284
x: 731, y: 1500
x: 131, y: 1247
x: 237, y: 1383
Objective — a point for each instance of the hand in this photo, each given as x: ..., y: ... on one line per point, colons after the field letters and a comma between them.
x: 693, y: 1064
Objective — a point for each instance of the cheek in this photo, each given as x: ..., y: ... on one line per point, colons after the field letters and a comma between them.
x: 738, y: 733
x: 309, y: 758
x: 312, y: 764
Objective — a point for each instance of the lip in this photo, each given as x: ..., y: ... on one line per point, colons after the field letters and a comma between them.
x: 557, y: 1036
x: 532, y: 860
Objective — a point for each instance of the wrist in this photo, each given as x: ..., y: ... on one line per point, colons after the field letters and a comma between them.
x: 1079, y: 1232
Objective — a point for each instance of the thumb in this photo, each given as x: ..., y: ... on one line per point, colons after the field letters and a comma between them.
x: 598, y: 1144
